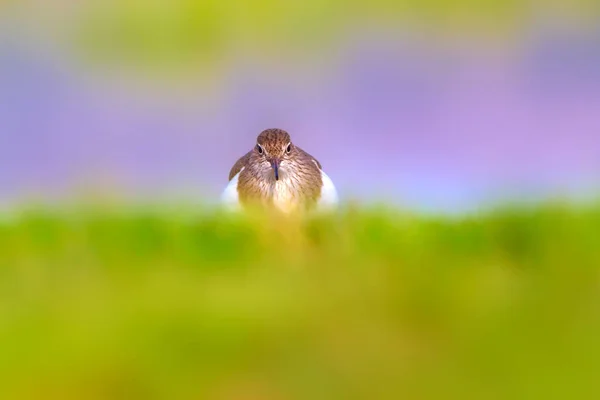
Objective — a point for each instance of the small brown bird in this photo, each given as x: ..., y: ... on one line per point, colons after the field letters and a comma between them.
x: 279, y: 174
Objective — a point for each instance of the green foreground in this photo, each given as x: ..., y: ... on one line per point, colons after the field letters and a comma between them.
x: 362, y: 305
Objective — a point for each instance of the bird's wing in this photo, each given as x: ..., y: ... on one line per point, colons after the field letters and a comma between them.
x: 230, y: 197
x: 239, y: 164
x: 329, y: 196
x: 309, y: 156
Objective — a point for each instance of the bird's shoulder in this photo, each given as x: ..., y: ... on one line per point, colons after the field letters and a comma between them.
x: 308, y: 156
x: 239, y: 164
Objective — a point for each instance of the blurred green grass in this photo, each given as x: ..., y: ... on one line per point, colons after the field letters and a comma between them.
x: 365, y: 304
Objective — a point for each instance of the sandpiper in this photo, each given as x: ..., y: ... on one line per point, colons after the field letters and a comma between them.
x: 279, y: 174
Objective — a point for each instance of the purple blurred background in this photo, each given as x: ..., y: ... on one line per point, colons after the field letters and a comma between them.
x: 430, y: 127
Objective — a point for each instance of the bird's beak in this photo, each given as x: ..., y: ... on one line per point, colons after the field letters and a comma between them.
x: 275, y: 164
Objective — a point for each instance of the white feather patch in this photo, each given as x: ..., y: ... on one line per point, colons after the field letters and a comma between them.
x: 230, y: 198
x: 329, y: 197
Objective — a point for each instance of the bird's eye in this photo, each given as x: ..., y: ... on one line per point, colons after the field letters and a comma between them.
x: 259, y: 149
x: 288, y: 149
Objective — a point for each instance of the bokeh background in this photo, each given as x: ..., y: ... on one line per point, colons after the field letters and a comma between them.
x: 437, y: 104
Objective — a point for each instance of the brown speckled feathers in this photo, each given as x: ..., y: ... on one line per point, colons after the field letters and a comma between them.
x: 277, y: 173
x: 239, y: 164
x: 242, y: 162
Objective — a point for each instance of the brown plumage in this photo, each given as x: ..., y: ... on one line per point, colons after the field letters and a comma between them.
x: 278, y: 173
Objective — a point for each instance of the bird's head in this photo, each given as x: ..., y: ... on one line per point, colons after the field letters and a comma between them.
x: 273, y: 147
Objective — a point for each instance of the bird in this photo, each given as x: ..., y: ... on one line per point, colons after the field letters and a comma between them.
x: 280, y: 175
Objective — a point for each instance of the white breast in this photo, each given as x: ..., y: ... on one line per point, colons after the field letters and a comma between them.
x: 285, y: 196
